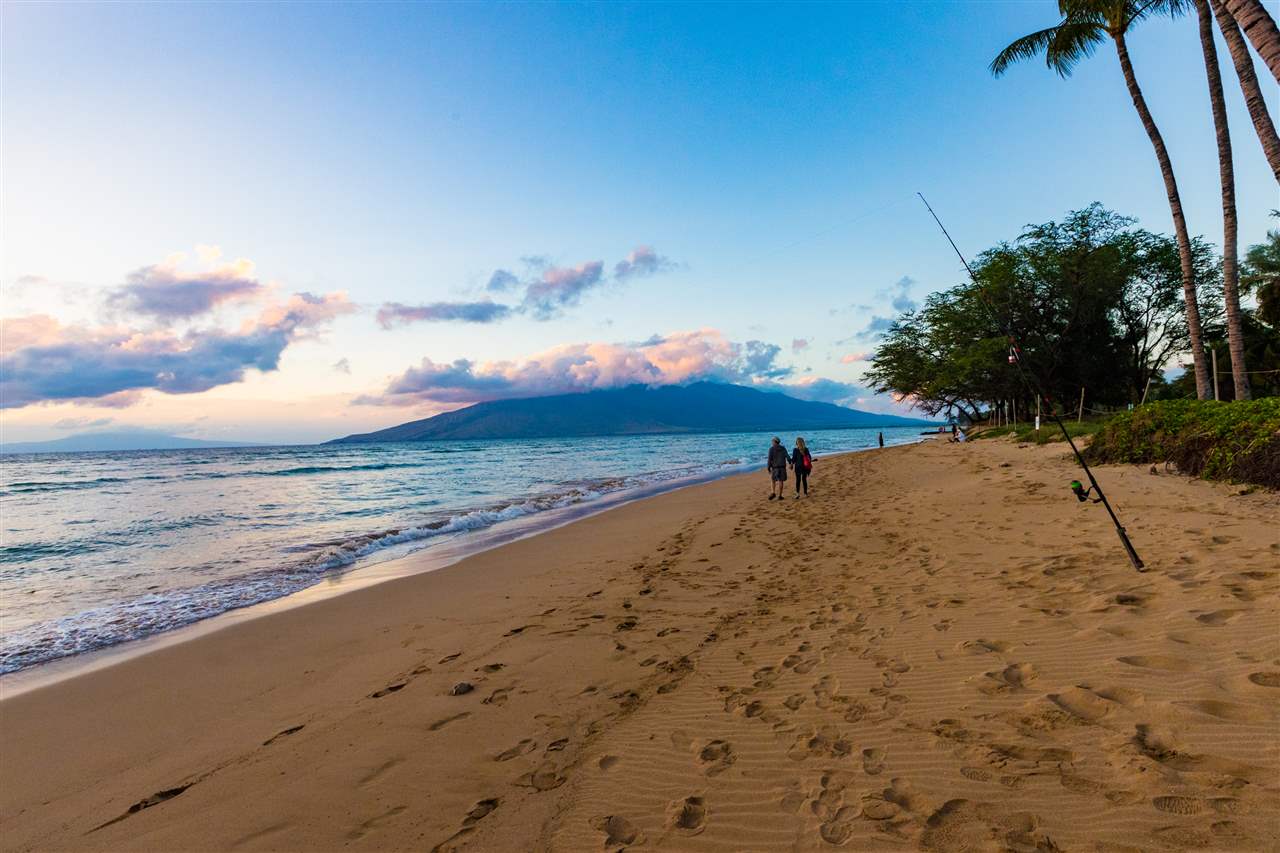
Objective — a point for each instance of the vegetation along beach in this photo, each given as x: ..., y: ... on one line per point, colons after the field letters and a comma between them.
x: 679, y: 426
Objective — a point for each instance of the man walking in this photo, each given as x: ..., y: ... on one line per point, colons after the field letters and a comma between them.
x: 778, y: 460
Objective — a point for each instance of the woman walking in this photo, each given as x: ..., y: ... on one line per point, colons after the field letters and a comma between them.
x: 802, y: 462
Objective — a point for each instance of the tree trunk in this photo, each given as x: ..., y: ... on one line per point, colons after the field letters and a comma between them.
x: 1203, y: 388
x: 1226, y: 172
x: 1261, y: 30
x: 1253, y: 98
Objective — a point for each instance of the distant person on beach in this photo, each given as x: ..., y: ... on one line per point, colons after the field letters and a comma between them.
x: 882, y: 439
x: 802, y: 462
x: 777, y: 468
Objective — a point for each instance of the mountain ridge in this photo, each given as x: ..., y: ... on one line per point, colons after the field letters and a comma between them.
x: 116, y: 440
x: 632, y: 410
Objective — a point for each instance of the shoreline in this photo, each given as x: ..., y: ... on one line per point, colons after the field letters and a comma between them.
x: 940, y: 648
x: 429, y: 558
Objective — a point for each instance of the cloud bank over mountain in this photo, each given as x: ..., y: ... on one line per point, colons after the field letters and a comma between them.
x: 674, y: 359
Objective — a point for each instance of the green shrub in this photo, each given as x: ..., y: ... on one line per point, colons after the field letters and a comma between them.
x: 1048, y: 431
x: 1237, y: 442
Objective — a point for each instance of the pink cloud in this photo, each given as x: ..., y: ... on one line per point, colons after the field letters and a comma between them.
x: 854, y: 357
x: 570, y: 368
x: 166, y: 293
x: 47, y: 362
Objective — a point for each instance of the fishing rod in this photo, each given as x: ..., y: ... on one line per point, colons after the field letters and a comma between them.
x: 1033, y: 385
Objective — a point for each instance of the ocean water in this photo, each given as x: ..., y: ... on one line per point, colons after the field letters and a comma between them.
x: 101, y: 548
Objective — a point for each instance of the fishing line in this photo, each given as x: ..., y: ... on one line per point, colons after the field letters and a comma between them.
x: 1033, y: 385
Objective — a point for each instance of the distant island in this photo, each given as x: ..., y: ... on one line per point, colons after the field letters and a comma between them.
x: 634, y: 410
x: 116, y: 441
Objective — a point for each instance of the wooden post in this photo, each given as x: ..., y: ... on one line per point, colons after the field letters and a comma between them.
x: 1213, y: 352
x: 1037, y: 413
x: 1080, y: 410
x: 1145, y: 390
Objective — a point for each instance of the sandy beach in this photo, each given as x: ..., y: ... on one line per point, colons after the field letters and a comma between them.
x: 940, y: 649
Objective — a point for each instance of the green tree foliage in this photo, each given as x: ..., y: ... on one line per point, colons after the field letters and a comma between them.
x: 1261, y: 277
x: 1092, y: 300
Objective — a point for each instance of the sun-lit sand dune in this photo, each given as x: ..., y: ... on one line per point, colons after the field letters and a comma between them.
x: 939, y: 649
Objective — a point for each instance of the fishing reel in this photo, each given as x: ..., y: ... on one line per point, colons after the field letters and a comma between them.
x: 1081, y: 493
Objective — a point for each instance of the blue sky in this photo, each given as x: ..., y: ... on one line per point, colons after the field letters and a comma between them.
x: 766, y: 155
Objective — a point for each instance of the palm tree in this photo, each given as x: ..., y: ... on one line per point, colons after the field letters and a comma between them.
x: 1260, y: 27
x: 1253, y: 98
x: 1084, y: 24
x: 1226, y: 172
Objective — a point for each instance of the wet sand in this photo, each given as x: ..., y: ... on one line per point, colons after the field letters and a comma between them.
x: 939, y: 649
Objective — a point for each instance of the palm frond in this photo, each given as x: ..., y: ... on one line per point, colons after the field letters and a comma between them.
x: 1027, y: 47
x: 1073, y: 41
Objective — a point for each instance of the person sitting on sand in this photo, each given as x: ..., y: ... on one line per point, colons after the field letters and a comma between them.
x: 777, y: 468
x: 801, y: 461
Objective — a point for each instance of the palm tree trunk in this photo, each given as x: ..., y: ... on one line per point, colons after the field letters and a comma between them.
x: 1253, y: 98
x: 1260, y: 27
x: 1203, y: 387
x: 1226, y: 172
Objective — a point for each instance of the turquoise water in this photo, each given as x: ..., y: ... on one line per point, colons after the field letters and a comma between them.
x: 101, y: 548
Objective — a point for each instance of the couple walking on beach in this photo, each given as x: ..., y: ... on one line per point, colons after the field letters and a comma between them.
x: 799, y: 459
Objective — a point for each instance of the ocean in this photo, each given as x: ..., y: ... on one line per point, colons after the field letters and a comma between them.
x: 102, y: 548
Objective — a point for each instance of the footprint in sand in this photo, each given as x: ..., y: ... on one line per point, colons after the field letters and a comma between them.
x: 1165, y: 662
x: 873, y: 761
x: 1178, y: 805
x: 1083, y: 704
x: 689, y: 816
x: 618, y: 831
x: 607, y: 762
x: 1014, y: 677
x: 1217, y: 618
x: 1232, y: 711
x: 1265, y: 679
x: 717, y: 755
x: 545, y: 778
x: 524, y: 747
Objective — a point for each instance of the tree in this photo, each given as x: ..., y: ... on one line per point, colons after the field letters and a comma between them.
x: 1260, y: 27
x: 1253, y: 98
x: 1084, y: 24
x: 1261, y: 277
x: 1226, y: 174
x: 1092, y: 301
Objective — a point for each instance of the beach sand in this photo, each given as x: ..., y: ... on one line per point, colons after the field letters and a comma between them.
x: 940, y: 649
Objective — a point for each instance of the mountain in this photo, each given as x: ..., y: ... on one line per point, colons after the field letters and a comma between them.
x: 137, y: 440
x: 634, y: 410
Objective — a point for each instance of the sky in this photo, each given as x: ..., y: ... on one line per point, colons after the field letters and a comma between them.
x: 290, y: 222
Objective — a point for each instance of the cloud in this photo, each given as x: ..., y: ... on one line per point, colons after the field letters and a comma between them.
x: 875, y: 329
x: 112, y: 365
x: 799, y: 344
x: 81, y: 423
x: 898, y: 294
x: 561, y: 287
x: 165, y: 293
x: 661, y: 360
x: 854, y: 357
x: 502, y: 281
x: 393, y: 314
x: 819, y: 390
x: 642, y: 261
x: 547, y: 288
x: 342, y: 365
